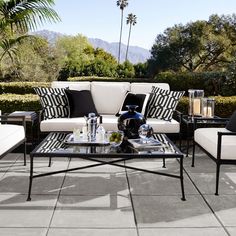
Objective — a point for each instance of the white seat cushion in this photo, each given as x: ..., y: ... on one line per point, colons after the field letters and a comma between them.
x: 108, y: 96
x: 62, y: 124
x: 162, y: 126
x: 10, y: 135
x: 68, y: 124
x: 207, y: 138
x: 109, y: 123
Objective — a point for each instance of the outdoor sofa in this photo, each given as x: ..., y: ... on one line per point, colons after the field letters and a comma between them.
x: 108, y: 99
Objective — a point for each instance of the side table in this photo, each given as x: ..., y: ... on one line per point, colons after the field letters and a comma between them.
x: 31, y: 119
x: 191, y: 121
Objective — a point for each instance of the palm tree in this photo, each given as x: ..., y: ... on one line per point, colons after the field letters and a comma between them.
x: 131, y: 20
x: 122, y: 4
x: 17, y: 17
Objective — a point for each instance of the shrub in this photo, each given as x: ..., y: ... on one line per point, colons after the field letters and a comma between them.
x: 21, y: 88
x: 211, y: 82
x: 225, y: 106
x: 17, y: 102
x: 108, y: 79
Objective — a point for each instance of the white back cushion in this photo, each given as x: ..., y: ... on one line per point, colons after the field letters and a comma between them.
x: 108, y: 96
x: 77, y: 85
x: 147, y: 87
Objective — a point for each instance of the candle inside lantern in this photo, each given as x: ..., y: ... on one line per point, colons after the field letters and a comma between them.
x: 207, y: 111
x: 196, y: 106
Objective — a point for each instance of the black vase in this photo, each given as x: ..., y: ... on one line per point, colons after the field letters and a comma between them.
x: 130, y: 121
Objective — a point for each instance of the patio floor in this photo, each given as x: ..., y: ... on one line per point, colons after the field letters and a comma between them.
x: 107, y: 200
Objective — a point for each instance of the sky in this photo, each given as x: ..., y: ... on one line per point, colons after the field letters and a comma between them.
x: 101, y: 18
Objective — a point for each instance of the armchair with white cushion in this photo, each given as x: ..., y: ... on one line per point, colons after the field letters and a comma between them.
x: 12, y: 134
x: 218, y: 143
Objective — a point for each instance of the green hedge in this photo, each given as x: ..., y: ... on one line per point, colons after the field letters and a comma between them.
x: 108, y: 79
x: 21, y: 87
x: 213, y: 83
x: 225, y: 106
x: 18, y: 102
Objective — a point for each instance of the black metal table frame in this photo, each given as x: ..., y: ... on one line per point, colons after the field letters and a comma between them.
x: 95, y: 157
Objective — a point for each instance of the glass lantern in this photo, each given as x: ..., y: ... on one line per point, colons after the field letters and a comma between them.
x: 208, y: 107
x: 195, y: 102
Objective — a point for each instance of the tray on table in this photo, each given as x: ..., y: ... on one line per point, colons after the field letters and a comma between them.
x: 69, y: 140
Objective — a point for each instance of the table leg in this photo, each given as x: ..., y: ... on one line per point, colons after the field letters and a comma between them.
x: 182, y: 179
x: 31, y: 177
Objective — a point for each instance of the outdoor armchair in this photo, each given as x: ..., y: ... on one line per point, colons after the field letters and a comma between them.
x: 218, y: 143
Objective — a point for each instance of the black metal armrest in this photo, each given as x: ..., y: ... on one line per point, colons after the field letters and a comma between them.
x: 219, y: 141
x: 226, y: 133
x: 178, y: 115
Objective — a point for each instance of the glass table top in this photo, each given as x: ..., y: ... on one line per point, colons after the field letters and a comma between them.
x: 55, y: 144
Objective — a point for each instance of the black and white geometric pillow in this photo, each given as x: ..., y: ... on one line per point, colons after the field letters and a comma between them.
x: 163, y: 103
x: 54, y: 102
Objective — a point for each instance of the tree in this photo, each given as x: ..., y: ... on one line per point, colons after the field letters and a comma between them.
x: 122, y: 4
x: 79, y: 58
x: 131, y: 20
x: 196, y: 46
x: 126, y: 70
x: 17, y: 17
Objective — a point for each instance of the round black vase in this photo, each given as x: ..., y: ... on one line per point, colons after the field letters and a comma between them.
x: 130, y: 121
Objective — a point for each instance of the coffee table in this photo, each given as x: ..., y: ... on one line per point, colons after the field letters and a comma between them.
x: 55, y: 146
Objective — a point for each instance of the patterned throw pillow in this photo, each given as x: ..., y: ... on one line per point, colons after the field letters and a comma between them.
x: 162, y: 103
x: 54, y: 102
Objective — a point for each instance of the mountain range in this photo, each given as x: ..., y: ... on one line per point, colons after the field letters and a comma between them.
x: 135, y: 54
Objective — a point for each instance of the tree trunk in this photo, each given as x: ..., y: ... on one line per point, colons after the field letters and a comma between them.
x: 121, y: 28
x: 126, y: 56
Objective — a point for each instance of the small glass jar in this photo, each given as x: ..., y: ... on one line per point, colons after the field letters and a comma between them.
x: 195, y: 102
x: 208, y: 107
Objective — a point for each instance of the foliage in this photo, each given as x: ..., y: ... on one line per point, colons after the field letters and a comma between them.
x: 35, y: 61
x: 16, y: 102
x: 229, y: 87
x: 20, y: 88
x: 141, y: 70
x: 196, y: 46
x: 79, y: 58
x: 225, y: 106
x: 126, y: 70
x: 108, y: 79
x: 211, y: 82
x: 17, y: 18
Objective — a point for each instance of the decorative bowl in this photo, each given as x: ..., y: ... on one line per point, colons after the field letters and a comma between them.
x: 115, y: 138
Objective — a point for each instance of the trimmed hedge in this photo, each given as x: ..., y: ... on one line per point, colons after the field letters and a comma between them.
x: 18, y: 102
x: 225, y: 106
x: 21, y: 87
x: 213, y: 83
x: 108, y: 79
